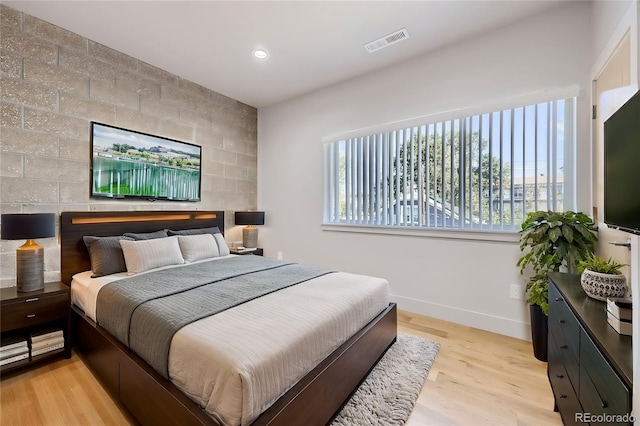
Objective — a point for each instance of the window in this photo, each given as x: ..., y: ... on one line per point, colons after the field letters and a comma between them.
x: 481, y: 172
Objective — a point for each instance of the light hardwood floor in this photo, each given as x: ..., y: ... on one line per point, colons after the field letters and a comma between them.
x: 477, y: 378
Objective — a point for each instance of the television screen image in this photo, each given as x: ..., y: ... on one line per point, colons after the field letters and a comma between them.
x: 129, y: 164
x: 622, y: 167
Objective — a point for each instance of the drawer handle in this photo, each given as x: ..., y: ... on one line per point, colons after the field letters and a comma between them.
x: 33, y: 299
x: 603, y: 403
x: 558, y: 299
x: 559, y: 376
x: 564, y: 347
x: 31, y: 316
x: 563, y: 396
x: 561, y: 321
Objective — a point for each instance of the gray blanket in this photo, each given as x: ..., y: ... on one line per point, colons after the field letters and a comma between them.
x: 145, y: 311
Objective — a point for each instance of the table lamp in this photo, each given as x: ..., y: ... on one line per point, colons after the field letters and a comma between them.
x: 250, y: 232
x: 29, y: 256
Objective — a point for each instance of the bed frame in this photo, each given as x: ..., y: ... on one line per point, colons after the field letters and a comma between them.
x: 151, y: 399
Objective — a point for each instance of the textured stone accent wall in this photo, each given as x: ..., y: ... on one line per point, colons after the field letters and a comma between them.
x: 53, y: 83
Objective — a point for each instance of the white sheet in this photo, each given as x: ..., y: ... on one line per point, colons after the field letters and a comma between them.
x: 84, y: 289
x: 238, y: 362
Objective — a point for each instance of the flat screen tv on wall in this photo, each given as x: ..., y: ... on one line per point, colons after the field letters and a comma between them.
x: 126, y: 164
x: 622, y: 167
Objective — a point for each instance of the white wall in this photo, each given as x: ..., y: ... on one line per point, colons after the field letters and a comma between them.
x: 610, y: 22
x: 459, y: 280
x: 608, y: 17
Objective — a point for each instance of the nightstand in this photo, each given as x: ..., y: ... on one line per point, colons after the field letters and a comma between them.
x: 256, y: 252
x: 36, y: 313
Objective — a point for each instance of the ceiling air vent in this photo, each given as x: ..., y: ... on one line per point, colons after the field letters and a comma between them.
x: 387, y: 40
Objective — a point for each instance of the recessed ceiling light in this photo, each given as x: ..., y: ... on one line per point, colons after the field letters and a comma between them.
x: 260, y: 53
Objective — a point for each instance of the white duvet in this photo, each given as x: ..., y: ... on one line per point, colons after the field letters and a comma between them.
x: 237, y: 363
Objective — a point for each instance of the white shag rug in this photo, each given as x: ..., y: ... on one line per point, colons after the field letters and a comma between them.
x: 388, y: 394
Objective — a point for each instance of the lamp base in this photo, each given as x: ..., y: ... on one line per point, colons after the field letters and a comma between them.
x: 30, y: 267
x: 250, y: 237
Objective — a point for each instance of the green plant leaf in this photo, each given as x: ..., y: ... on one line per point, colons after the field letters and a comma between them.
x: 554, y: 234
x: 550, y: 240
x: 567, y: 232
x: 600, y: 265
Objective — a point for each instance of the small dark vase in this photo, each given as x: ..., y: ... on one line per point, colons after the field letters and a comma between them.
x: 539, y: 332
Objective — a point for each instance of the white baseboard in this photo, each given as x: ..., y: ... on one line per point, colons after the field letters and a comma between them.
x: 494, y: 324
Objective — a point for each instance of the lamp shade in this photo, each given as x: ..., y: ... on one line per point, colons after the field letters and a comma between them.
x: 249, y: 218
x: 23, y: 226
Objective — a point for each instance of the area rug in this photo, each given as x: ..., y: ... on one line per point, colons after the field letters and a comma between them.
x: 388, y: 394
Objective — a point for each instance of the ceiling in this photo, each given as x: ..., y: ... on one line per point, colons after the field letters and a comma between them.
x: 312, y: 44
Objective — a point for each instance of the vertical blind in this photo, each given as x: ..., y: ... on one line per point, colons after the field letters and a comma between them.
x: 484, y: 171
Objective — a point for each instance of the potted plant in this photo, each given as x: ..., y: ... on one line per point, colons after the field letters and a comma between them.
x: 553, y: 241
x: 601, y: 278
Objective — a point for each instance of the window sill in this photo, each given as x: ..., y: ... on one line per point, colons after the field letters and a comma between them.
x: 450, y: 234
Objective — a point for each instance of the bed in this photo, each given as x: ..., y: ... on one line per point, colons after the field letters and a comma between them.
x: 312, y: 398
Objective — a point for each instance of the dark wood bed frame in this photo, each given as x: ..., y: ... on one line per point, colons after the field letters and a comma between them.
x: 151, y: 399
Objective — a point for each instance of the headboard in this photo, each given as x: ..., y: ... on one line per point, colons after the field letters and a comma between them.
x: 74, y: 256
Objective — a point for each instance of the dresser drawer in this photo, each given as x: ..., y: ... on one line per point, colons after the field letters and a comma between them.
x: 601, y: 390
x: 34, y: 310
x: 565, y: 330
x: 565, y: 395
x: 563, y: 323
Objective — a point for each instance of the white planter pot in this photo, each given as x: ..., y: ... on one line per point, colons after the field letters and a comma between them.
x: 600, y: 286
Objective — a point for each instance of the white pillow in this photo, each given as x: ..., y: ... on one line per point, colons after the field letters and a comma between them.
x: 223, y: 248
x: 143, y: 255
x: 196, y: 247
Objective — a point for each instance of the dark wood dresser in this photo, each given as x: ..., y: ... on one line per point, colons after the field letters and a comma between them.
x: 590, y: 364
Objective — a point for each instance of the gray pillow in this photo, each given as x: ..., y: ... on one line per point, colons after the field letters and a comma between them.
x: 196, y: 231
x: 106, y: 255
x: 147, y: 235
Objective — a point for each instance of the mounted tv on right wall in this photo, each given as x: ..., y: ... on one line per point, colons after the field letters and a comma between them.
x: 622, y: 167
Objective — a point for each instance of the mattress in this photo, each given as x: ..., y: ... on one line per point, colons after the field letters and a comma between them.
x: 235, y: 364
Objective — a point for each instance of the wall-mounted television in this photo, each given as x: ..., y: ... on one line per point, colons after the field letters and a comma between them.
x: 127, y: 164
x: 622, y: 167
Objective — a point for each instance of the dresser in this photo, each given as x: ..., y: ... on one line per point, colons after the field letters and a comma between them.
x: 589, y: 363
